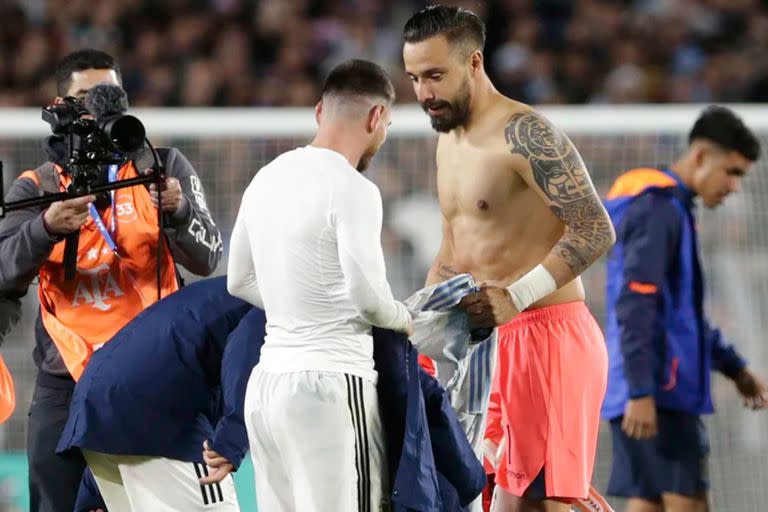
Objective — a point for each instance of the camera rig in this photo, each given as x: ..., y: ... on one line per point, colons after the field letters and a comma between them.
x: 93, y: 144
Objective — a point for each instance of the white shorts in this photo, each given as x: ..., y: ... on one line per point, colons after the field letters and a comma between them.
x: 316, y: 442
x: 140, y: 484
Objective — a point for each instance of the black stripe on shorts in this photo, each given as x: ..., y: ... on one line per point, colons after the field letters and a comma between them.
x: 359, y: 423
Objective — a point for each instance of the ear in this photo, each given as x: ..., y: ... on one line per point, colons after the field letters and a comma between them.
x: 374, y: 119
x: 318, y: 111
x: 57, y: 100
x: 476, y: 62
x: 699, y: 154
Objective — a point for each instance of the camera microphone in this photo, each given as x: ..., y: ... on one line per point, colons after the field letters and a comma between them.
x: 106, y: 100
x: 107, y: 103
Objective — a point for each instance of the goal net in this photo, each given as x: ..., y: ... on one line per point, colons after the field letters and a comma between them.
x: 227, y: 147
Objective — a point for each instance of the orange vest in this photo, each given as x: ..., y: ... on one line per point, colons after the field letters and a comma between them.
x: 109, y: 290
x: 7, y: 392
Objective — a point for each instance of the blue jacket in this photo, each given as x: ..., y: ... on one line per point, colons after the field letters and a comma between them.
x: 148, y: 391
x: 659, y: 340
x: 437, y: 469
x: 178, y: 357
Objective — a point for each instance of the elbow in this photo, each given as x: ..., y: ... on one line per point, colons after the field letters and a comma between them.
x: 233, y: 289
x: 371, y: 312
x: 610, y: 235
x: 209, y: 266
x: 201, y: 269
x: 14, y: 286
x: 606, y: 235
x: 370, y: 315
x: 207, y: 270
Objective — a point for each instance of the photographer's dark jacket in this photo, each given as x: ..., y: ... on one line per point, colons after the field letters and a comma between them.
x: 77, y: 317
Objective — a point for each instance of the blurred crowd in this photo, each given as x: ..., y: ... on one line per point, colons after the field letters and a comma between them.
x: 276, y: 52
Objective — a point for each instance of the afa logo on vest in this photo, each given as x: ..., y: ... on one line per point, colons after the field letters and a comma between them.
x: 95, y: 287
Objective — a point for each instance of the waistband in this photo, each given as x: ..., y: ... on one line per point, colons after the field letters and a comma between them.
x: 551, y: 313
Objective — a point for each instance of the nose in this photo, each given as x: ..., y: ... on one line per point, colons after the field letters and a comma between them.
x: 423, y: 91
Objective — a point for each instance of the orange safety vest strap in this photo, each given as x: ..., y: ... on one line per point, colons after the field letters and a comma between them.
x: 7, y: 392
x: 74, y: 350
x: 30, y: 175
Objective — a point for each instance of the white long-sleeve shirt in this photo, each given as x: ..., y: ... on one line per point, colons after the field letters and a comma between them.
x: 306, y: 247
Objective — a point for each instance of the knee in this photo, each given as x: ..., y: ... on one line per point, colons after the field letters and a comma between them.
x: 679, y: 503
x: 39, y: 467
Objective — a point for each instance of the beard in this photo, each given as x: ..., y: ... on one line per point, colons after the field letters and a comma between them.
x: 456, y: 111
x: 365, y: 160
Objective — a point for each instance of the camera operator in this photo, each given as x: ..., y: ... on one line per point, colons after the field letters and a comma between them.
x: 116, y: 271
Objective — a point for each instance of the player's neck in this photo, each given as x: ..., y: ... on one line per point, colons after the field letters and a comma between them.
x: 345, y: 144
x: 684, y: 170
x: 483, y: 100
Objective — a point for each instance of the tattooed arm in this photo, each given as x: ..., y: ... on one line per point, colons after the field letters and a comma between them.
x: 553, y: 168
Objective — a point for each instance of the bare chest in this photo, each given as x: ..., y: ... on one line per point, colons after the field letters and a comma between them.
x: 476, y: 181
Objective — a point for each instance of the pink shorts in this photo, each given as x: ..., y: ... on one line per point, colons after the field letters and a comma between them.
x: 550, y: 384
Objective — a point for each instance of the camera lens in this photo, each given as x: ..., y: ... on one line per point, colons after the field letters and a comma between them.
x: 126, y: 133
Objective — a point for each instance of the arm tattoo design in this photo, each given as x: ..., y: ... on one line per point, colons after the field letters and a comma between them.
x: 561, y: 174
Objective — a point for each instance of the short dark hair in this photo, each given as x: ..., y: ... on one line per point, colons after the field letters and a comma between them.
x: 720, y: 125
x: 80, y: 61
x: 357, y: 77
x: 457, y: 24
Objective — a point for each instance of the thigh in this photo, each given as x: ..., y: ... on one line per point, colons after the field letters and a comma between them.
x: 109, y: 481
x: 53, y: 479
x: 683, y: 446
x: 332, y: 443
x: 637, y: 470
x: 157, y: 483
x: 273, y: 488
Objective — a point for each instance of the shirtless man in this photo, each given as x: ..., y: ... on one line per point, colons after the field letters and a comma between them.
x: 521, y: 215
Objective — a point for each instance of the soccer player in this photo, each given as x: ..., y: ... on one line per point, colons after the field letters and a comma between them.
x: 661, y: 346
x: 306, y: 247
x: 521, y: 215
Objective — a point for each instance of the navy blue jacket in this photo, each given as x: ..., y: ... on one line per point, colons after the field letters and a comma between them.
x: 148, y: 390
x: 659, y: 340
x: 437, y: 469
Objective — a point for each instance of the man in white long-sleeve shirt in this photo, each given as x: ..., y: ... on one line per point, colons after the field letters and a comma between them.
x: 306, y: 247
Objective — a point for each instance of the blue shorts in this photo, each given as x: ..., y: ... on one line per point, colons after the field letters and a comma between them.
x: 675, y: 461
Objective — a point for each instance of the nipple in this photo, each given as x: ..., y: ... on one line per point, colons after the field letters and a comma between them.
x: 482, y: 204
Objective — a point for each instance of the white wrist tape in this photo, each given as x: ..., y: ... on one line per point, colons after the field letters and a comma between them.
x: 532, y: 287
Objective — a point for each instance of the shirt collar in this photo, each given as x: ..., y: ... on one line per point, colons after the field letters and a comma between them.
x: 686, y: 191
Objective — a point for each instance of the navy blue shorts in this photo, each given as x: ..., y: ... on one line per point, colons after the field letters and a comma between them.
x: 675, y: 461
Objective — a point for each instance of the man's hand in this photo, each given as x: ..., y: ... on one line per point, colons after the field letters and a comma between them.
x: 64, y: 217
x: 173, y: 198
x: 219, y: 466
x: 752, y: 390
x: 490, y: 307
x: 640, y: 418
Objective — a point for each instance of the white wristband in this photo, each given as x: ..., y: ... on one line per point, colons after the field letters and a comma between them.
x: 532, y: 287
